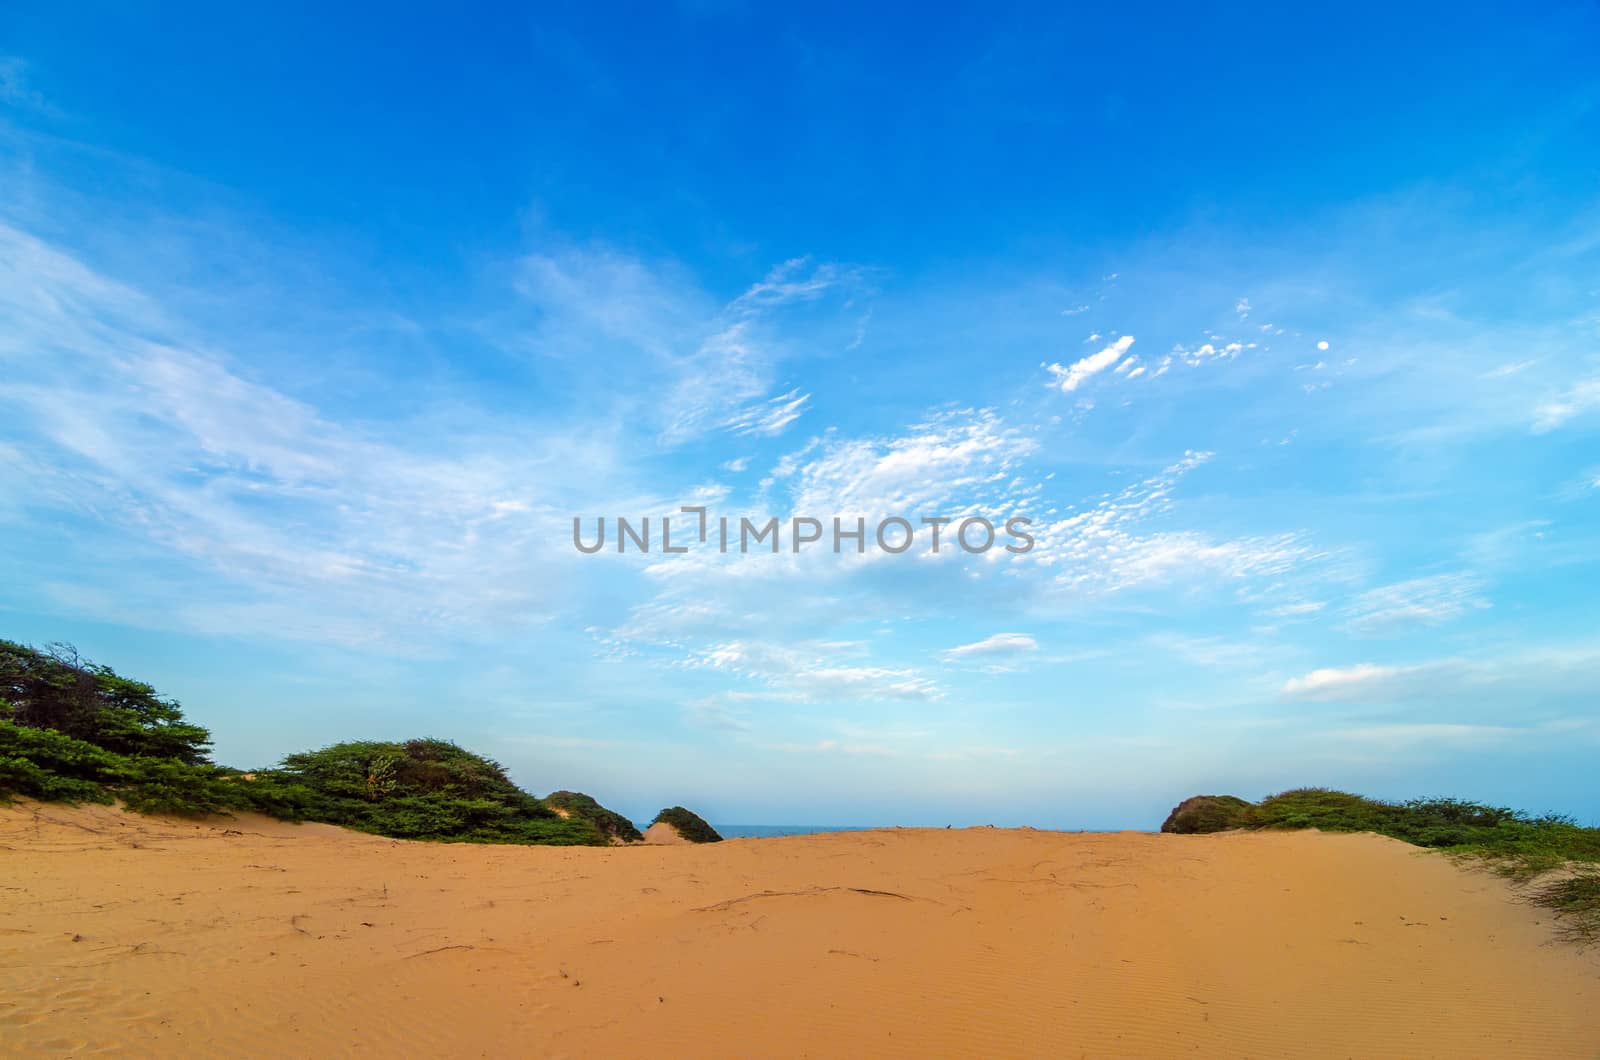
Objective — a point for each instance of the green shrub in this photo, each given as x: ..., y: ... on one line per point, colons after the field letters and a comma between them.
x: 611, y: 824
x: 688, y: 824
x: 154, y: 785
x: 18, y: 776
x: 52, y: 766
x: 422, y: 789
x: 1209, y: 813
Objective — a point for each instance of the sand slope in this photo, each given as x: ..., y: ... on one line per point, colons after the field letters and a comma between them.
x: 256, y: 937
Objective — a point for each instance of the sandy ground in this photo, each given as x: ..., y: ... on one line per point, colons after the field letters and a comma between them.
x: 254, y: 937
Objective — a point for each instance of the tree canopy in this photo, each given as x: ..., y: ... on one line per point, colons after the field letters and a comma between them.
x: 55, y: 689
x: 425, y: 789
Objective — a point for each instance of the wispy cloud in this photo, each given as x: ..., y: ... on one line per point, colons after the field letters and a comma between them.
x: 950, y: 463
x: 1427, y: 601
x: 16, y: 88
x: 1580, y: 398
x: 724, y: 383
x: 816, y: 671
x: 1069, y: 379
x: 164, y: 443
x: 771, y: 416
x: 1113, y: 545
x: 1557, y: 678
x: 708, y: 367
x: 999, y: 645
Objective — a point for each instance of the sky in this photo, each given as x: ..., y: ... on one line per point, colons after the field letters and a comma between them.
x: 317, y: 332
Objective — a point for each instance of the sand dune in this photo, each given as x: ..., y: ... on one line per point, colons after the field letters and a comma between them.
x: 256, y: 937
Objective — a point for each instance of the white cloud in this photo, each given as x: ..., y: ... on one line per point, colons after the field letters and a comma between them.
x: 1000, y: 644
x: 1209, y: 351
x: 950, y: 463
x: 1297, y: 609
x: 1069, y: 379
x: 813, y: 670
x: 771, y: 416
x: 1343, y: 683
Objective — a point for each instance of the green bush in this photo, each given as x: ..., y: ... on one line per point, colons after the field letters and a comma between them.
x: 423, y: 789
x: 1436, y: 823
x: 612, y: 825
x: 52, y: 766
x: 1209, y: 813
x: 688, y: 824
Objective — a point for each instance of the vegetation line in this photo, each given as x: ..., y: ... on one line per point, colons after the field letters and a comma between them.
x: 72, y: 731
x: 1554, y: 860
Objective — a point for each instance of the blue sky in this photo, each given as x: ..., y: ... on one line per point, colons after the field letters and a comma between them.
x: 1284, y: 327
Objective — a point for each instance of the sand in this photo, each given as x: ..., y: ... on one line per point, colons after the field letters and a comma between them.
x: 664, y: 833
x: 254, y: 937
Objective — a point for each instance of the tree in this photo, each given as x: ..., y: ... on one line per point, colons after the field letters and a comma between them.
x: 57, y: 689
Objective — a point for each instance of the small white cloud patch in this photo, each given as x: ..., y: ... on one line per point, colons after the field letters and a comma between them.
x: 1069, y: 379
x: 999, y: 644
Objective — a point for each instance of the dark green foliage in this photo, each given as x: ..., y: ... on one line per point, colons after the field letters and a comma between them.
x: 154, y: 785
x: 77, y: 732
x: 55, y: 689
x: 51, y: 766
x: 424, y: 789
x: 612, y: 824
x: 1209, y: 813
x: 688, y: 824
